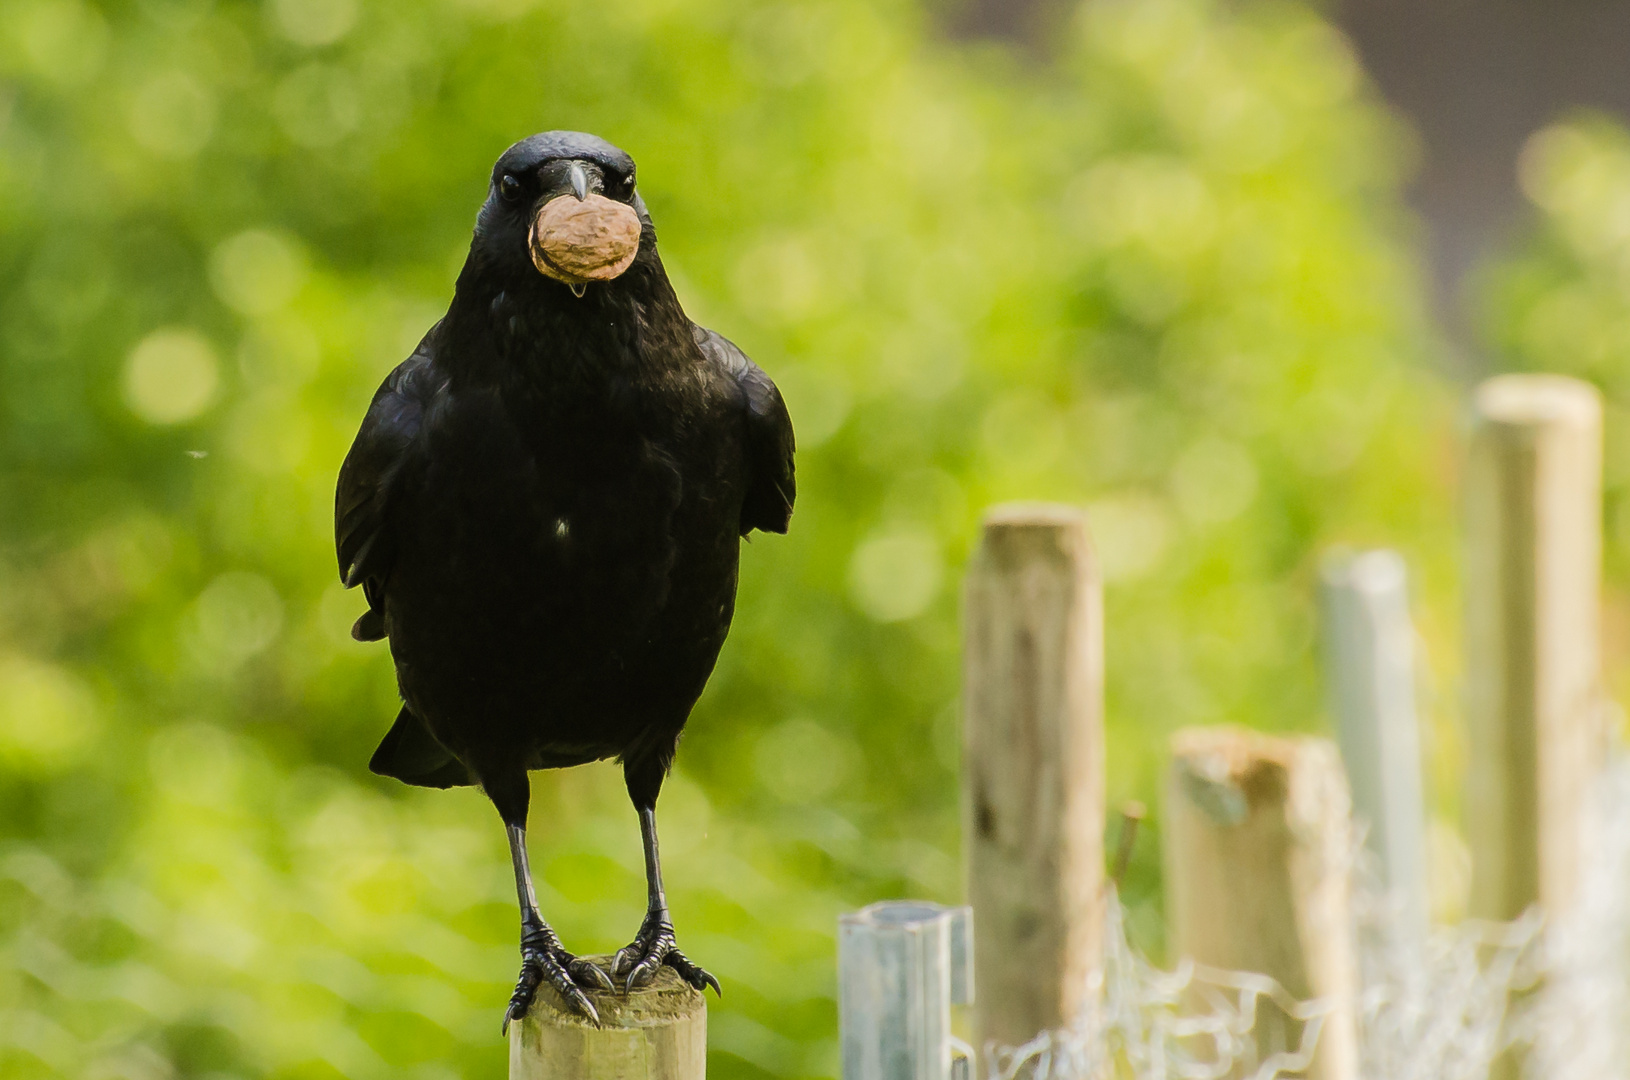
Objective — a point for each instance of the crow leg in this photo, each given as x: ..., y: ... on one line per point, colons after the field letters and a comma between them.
x: 543, y: 958
x: 637, y: 963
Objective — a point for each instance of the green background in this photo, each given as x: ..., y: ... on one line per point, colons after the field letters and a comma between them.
x: 1164, y: 272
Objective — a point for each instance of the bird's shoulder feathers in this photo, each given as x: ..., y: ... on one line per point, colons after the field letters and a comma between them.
x: 771, y: 487
x: 370, y: 473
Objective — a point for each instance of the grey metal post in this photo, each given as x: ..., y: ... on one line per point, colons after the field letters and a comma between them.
x: 902, y: 964
x: 1370, y: 664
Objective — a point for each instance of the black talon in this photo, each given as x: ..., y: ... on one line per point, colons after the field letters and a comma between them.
x: 543, y: 958
x: 638, y: 962
x: 583, y: 1005
x: 697, y: 977
x: 587, y: 973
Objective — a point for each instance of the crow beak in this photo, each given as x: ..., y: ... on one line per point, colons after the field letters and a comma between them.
x: 580, y: 182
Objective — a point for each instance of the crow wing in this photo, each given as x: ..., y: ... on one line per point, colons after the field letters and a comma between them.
x: 771, y: 487
x: 362, y: 530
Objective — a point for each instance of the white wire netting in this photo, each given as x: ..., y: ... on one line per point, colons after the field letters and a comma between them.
x: 1439, y: 1004
x: 1579, y: 1025
x: 1195, y: 1023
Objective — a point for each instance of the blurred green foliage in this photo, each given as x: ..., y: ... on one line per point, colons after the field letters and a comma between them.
x: 1162, y: 274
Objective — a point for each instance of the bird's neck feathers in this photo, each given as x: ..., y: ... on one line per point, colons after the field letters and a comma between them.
x: 508, y: 322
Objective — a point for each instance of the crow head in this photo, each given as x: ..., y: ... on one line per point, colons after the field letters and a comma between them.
x: 566, y: 202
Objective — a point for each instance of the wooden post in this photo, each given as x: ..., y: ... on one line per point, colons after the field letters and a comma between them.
x: 1033, y: 794
x: 658, y: 1032
x: 1258, y: 877
x: 1533, y: 558
x: 1370, y: 672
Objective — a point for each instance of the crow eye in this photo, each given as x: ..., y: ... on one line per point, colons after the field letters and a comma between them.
x: 509, y: 188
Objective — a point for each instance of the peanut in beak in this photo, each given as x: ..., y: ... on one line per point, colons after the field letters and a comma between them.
x: 579, y: 241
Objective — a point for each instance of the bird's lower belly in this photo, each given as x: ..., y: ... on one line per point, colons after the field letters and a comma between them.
x: 570, y: 661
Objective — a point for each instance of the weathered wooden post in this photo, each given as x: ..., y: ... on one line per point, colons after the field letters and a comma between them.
x: 1370, y: 672
x: 1533, y: 559
x: 1033, y: 795
x: 658, y: 1032
x: 1258, y: 877
x: 902, y: 964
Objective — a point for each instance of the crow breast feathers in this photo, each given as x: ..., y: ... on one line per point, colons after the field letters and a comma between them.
x: 374, y: 468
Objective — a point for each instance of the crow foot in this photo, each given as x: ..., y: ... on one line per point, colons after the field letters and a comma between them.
x: 543, y: 959
x: 637, y: 963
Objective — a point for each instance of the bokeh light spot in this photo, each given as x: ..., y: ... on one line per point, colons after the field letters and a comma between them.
x: 318, y: 105
x: 66, y: 41
x: 172, y: 115
x: 818, y: 398
x: 47, y: 714
x: 172, y: 376
x: 781, y: 275
x: 237, y: 616
x: 1214, y: 481
x: 800, y: 761
x: 1129, y: 533
x: 196, y: 763
x: 1022, y: 432
x: 257, y: 271
x: 895, y: 575
x: 315, y: 22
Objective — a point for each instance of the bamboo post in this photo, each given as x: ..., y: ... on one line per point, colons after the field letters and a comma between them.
x: 657, y: 1032
x: 1033, y: 787
x: 1370, y: 673
x: 902, y: 964
x: 1533, y: 558
x: 1258, y: 877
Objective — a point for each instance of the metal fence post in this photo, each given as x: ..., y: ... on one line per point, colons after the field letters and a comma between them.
x: 1370, y: 672
x: 901, y: 966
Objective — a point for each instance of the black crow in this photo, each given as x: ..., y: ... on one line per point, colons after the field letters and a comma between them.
x: 544, y: 509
